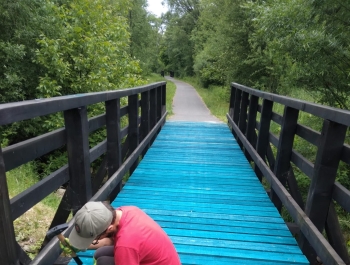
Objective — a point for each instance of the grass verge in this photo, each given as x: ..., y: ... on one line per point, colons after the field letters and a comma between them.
x: 31, y: 227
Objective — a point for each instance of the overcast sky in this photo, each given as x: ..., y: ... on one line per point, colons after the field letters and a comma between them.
x: 155, y: 6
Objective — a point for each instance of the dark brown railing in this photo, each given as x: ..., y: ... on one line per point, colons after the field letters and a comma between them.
x: 119, y: 158
x: 250, y: 123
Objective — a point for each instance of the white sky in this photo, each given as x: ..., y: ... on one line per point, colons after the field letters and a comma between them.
x: 155, y: 7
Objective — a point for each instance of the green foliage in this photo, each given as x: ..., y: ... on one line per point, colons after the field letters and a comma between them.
x: 21, y: 23
x: 145, y: 37
x: 221, y: 43
x: 277, y: 46
x: 292, y: 44
x: 91, y: 51
x: 177, y: 47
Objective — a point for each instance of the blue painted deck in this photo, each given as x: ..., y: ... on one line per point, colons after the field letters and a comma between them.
x: 197, y: 184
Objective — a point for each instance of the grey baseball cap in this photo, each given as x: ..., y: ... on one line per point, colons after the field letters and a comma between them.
x: 89, y: 222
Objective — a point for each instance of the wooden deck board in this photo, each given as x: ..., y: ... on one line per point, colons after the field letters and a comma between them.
x: 197, y: 184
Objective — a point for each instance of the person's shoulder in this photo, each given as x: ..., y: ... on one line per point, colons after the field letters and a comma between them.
x: 130, y: 208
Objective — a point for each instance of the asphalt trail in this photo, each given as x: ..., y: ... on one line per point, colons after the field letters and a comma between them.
x: 188, y: 105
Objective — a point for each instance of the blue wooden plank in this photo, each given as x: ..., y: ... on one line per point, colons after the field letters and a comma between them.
x: 194, y: 259
x: 275, y: 226
x: 197, y: 184
x: 210, y: 192
x: 191, y: 184
x: 241, y: 253
x: 231, y: 236
x: 138, y: 177
x: 85, y: 260
x: 201, y: 207
x: 233, y: 244
x: 228, y: 229
x: 200, y: 198
x: 232, y: 216
x: 218, y: 169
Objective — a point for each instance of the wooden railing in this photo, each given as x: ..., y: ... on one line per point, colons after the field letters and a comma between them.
x: 250, y: 123
x: 119, y: 158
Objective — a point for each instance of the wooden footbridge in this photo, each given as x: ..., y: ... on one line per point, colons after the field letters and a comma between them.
x: 200, y: 181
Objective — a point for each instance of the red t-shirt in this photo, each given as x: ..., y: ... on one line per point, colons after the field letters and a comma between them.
x: 141, y: 241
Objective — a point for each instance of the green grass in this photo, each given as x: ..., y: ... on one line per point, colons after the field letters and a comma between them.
x: 31, y: 227
x: 23, y: 177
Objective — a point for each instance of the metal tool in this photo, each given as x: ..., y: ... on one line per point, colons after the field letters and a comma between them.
x: 57, y: 231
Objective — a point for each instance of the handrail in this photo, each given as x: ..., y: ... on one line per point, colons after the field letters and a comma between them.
x: 325, y: 250
x: 253, y: 134
x: 137, y: 134
x: 49, y: 254
x: 18, y: 111
x: 338, y: 115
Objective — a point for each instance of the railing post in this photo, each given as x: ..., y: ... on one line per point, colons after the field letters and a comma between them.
x: 237, y: 106
x: 232, y: 101
x: 284, y: 150
x: 159, y: 102
x: 325, y: 169
x: 153, y: 107
x: 253, y: 110
x: 335, y: 235
x: 145, y: 114
x: 264, y: 130
x: 113, y: 141
x: 133, y: 130
x: 8, y: 248
x: 77, y: 130
x: 236, y: 111
x: 163, y: 99
x: 242, y: 122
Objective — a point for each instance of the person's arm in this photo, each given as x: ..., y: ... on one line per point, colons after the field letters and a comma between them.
x: 126, y: 256
x: 107, y: 241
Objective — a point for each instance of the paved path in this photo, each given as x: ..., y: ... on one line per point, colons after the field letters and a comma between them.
x: 188, y: 105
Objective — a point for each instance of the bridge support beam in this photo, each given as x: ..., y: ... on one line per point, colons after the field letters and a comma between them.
x: 325, y: 171
x: 242, y: 123
x: 284, y: 150
x: 8, y: 248
x: 114, y: 156
x: 253, y: 110
x: 133, y: 129
x: 263, y: 136
x: 77, y: 129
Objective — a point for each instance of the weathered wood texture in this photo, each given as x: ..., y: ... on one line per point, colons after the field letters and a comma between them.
x: 133, y: 131
x: 114, y: 141
x: 319, y: 214
x: 80, y: 183
x: 8, y: 251
x: 78, y: 156
x: 227, y: 221
x: 284, y: 150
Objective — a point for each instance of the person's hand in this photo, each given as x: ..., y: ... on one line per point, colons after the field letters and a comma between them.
x: 67, y: 248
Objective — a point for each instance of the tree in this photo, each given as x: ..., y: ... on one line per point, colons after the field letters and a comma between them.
x: 92, y: 50
x: 21, y: 24
x: 145, y: 36
x: 221, y: 42
x: 181, y: 21
x: 303, y: 47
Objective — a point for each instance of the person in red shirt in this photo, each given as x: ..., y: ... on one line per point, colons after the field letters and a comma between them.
x: 138, y: 239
